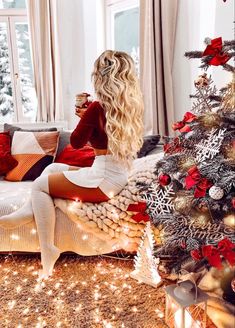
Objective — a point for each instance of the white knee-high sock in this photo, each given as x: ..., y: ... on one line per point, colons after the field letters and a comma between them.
x: 44, y: 213
x: 25, y: 214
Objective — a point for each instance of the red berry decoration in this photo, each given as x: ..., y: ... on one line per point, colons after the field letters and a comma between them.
x: 164, y: 179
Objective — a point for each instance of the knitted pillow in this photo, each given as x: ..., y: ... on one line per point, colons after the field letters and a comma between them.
x: 7, y: 162
x: 33, y: 151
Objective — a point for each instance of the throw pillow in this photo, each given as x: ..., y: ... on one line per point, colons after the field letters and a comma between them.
x: 64, y: 141
x: 64, y: 135
x: 33, y: 151
x: 150, y: 142
x: 7, y: 162
x: 12, y: 128
x: 83, y: 157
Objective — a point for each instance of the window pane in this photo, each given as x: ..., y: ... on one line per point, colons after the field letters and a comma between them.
x: 5, y: 4
x: 28, y: 95
x: 6, y: 97
x: 126, y: 32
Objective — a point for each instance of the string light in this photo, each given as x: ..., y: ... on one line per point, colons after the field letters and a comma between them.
x: 56, y: 290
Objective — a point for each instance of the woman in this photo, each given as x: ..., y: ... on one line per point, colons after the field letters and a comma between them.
x: 114, y: 127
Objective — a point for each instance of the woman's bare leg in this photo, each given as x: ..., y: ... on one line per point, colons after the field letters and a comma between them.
x: 24, y: 214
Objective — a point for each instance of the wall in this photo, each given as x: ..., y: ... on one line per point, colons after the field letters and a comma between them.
x: 81, y: 39
x: 198, y: 19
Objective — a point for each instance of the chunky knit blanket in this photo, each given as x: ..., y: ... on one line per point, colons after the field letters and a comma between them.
x: 111, y: 220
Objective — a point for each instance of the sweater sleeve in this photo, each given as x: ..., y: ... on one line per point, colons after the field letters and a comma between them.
x: 83, y: 131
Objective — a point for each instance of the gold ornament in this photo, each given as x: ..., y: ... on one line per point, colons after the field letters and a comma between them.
x: 210, y: 120
x: 228, y: 101
x: 186, y: 163
x: 200, y: 219
x: 229, y: 220
x: 183, y: 204
x: 158, y: 233
x: 202, y: 207
x: 202, y: 81
x: 229, y: 152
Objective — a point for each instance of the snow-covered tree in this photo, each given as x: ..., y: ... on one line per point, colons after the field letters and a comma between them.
x: 6, y: 97
x: 24, y: 69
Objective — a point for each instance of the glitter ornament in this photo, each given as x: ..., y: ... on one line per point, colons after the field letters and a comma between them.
x: 183, y: 204
x: 229, y: 220
x: 210, y: 120
x: 216, y: 193
x: 228, y: 101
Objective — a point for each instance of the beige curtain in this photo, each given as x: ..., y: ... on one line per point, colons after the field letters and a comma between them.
x: 157, y: 38
x: 43, y: 26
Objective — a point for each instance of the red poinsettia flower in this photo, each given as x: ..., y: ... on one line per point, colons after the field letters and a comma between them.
x: 196, y: 254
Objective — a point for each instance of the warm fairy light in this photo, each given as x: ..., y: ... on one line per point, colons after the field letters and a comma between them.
x: 11, y: 304
x: 134, y: 309
x: 84, y: 237
x: 15, y: 237
x: 57, y: 285
x: 159, y: 313
x: 50, y: 292
x: 18, y: 289
x: 59, y: 324
x: 26, y: 311
x: 30, y: 268
x: 107, y: 324
x: 78, y: 308
x: 33, y: 231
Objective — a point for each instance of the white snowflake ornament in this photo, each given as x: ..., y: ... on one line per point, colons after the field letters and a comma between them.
x: 208, y: 148
x: 159, y: 199
x: 216, y: 193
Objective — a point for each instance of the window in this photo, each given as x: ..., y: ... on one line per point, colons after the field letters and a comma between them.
x: 122, y: 25
x: 17, y: 94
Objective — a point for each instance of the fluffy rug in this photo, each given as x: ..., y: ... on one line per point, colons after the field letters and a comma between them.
x: 84, y: 292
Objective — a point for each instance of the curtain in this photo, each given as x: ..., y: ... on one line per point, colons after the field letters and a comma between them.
x: 157, y: 37
x: 43, y: 26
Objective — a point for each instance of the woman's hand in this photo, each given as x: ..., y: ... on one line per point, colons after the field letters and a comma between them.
x: 80, y: 111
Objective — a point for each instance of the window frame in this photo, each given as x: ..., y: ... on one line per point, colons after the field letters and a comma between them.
x: 11, y: 17
x: 111, y: 8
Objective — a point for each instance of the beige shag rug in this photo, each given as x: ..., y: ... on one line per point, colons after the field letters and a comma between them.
x: 84, y: 292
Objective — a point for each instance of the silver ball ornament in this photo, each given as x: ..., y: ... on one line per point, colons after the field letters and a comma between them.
x: 216, y: 193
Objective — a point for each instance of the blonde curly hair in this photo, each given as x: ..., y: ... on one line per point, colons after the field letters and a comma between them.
x: 118, y: 91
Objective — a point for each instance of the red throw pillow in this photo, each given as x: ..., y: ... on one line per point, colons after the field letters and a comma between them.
x: 7, y: 162
x: 83, y: 157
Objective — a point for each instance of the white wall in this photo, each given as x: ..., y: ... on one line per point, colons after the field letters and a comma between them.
x: 198, y: 19
x: 81, y: 40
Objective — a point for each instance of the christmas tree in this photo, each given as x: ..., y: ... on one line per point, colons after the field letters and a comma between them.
x: 198, y: 168
x: 145, y: 263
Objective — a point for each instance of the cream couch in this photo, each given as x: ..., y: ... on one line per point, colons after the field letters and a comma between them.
x: 85, y: 236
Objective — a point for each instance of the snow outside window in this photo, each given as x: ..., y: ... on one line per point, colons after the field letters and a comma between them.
x: 122, y: 27
x: 17, y: 93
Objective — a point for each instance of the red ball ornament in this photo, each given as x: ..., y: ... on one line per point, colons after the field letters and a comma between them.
x: 164, y: 179
x: 233, y: 202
